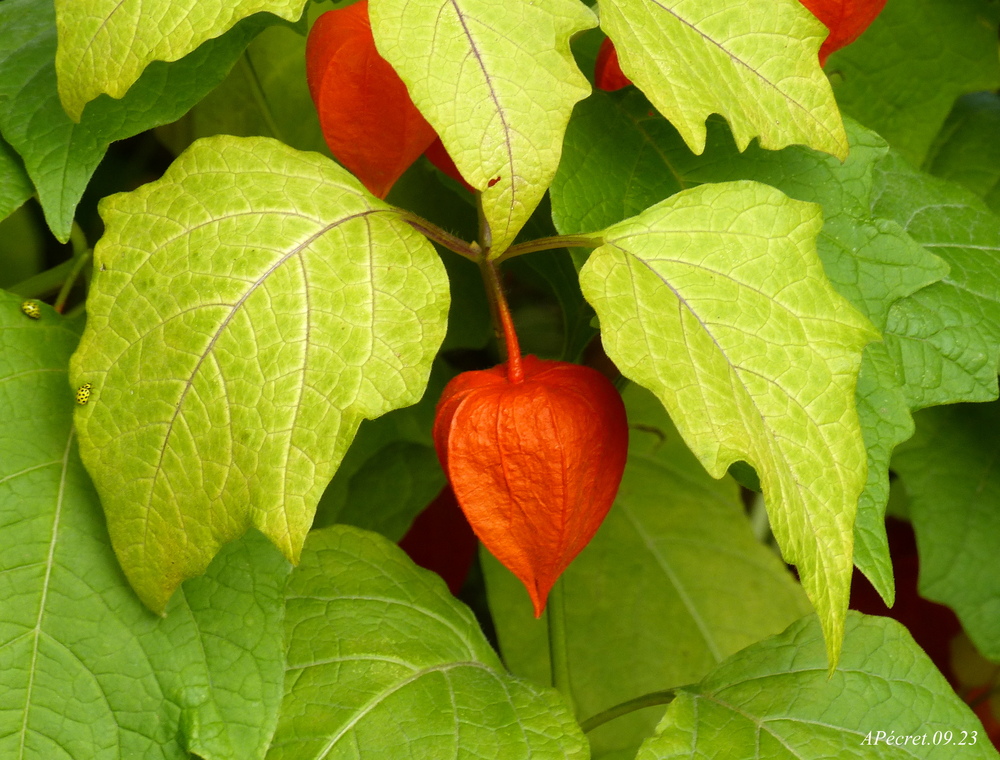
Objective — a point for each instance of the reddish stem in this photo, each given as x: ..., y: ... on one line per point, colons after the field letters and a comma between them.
x: 501, y: 312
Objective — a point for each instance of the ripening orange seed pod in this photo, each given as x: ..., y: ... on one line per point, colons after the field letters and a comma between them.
x: 535, y: 452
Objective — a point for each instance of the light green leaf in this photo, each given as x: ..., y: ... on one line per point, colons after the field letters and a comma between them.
x: 716, y: 301
x: 383, y: 662
x: 620, y: 157
x: 15, y: 187
x: 755, y: 63
x: 776, y: 700
x: 966, y: 149
x: 903, y: 74
x: 105, y: 45
x: 949, y: 471
x: 85, y: 670
x: 677, y: 553
x: 944, y: 339
x: 59, y: 155
x: 498, y: 82
x: 265, y: 94
x: 247, y: 311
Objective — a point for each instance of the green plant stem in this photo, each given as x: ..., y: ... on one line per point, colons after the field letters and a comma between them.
x: 39, y: 285
x: 432, y: 232
x: 558, y: 655
x: 81, y: 256
x: 503, y: 322
x: 652, y: 699
x: 555, y: 241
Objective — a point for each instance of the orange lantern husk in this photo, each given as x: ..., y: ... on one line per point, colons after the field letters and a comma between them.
x: 535, y: 461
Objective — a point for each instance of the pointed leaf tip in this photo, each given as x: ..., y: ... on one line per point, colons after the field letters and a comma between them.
x: 535, y: 464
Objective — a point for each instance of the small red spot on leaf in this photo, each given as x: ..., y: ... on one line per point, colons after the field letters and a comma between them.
x: 493, y: 181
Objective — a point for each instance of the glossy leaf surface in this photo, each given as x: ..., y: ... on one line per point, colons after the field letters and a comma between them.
x: 384, y: 662
x: 716, y: 301
x: 235, y: 342
x: 497, y: 82
x: 693, y: 59
x: 368, y: 119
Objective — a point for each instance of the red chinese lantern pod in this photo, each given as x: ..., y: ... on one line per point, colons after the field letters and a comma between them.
x: 366, y: 114
x: 535, y: 464
x: 846, y: 20
x: 441, y: 540
x: 608, y: 74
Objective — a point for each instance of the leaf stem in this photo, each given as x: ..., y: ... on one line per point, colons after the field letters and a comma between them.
x: 592, y: 240
x: 502, y: 320
x: 81, y: 256
x: 558, y: 654
x: 432, y: 232
x: 652, y: 699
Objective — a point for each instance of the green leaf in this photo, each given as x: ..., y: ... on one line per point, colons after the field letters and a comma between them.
x: 676, y: 551
x: 944, y: 339
x: 621, y: 157
x: 966, y: 150
x: 903, y: 74
x: 384, y: 662
x: 777, y: 700
x: 15, y: 187
x: 59, y: 155
x: 104, y: 46
x: 716, y: 301
x: 755, y: 63
x: 247, y: 311
x: 949, y: 471
x: 265, y: 94
x: 396, y: 445
x: 85, y: 669
x: 498, y: 82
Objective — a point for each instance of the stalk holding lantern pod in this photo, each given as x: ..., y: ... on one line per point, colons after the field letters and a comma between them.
x: 535, y: 452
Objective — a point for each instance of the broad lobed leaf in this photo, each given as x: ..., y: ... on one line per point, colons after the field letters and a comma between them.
x: 754, y: 62
x: 105, y: 45
x: 776, y: 699
x: 384, y: 662
x: 59, y: 155
x: 673, y: 583
x: 716, y: 301
x: 497, y: 82
x: 85, y: 669
x: 247, y: 311
x: 621, y: 157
